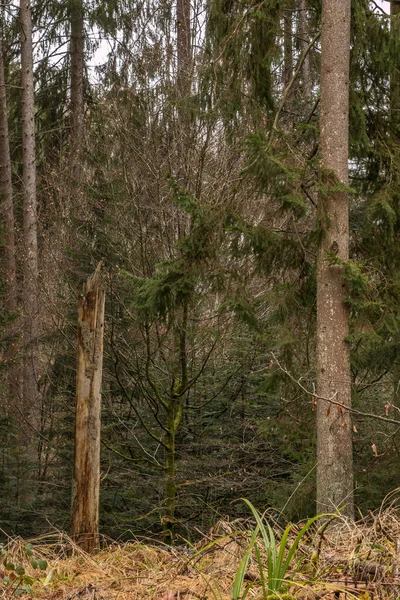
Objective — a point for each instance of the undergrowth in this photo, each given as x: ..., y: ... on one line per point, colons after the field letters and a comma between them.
x: 308, y: 560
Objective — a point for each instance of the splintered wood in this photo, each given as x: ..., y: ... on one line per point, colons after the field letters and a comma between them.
x: 86, y: 482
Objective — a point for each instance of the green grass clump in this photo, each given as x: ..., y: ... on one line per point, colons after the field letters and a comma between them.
x: 279, y: 553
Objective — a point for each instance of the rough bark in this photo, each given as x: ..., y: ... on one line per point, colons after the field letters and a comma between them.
x: 77, y: 47
x: 183, y: 48
x: 9, y: 268
x: 30, y: 266
x: 183, y: 85
x: 303, y: 37
x: 395, y: 74
x: 395, y: 131
x: 334, y: 428
x: 287, y: 45
x: 86, y: 483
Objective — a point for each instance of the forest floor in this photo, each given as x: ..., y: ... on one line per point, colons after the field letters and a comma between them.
x: 359, y: 560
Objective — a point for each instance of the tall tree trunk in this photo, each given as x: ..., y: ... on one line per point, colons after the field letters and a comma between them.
x: 302, y: 34
x: 183, y: 84
x: 170, y: 471
x: 10, y: 269
x: 86, y: 483
x: 184, y: 50
x: 287, y: 45
x: 395, y: 74
x: 334, y: 428
x: 174, y: 417
x: 77, y: 47
x: 30, y: 266
x: 395, y: 132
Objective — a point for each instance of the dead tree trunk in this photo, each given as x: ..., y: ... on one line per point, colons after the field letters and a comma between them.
x: 86, y: 483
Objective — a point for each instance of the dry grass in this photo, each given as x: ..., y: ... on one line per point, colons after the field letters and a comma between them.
x: 359, y: 560
x: 127, y: 572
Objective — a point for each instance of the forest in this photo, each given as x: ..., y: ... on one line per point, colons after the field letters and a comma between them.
x: 231, y: 169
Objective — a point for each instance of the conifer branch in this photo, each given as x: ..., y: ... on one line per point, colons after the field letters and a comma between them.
x: 238, y: 24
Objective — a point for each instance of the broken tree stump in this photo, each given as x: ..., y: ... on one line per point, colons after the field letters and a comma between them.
x: 86, y: 480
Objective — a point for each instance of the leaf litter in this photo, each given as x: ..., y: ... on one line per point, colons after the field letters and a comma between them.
x: 345, y: 561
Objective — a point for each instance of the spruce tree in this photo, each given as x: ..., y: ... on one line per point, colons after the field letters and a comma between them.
x: 334, y: 428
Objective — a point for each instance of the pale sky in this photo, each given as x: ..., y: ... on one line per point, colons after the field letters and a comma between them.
x: 385, y: 5
x: 100, y: 56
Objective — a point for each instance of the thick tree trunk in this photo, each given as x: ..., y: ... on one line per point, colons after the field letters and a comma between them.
x: 30, y: 266
x: 334, y: 428
x: 77, y: 47
x: 302, y: 34
x: 86, y: 484
x: 9, y: 269
x: 395, y: 74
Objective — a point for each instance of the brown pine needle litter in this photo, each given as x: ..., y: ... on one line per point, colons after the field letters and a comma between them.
x: 351, y: 560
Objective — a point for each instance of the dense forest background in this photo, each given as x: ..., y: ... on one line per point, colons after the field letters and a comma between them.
x: 186, y: 160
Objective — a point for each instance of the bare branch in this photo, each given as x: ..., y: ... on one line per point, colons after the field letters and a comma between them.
x: 332, y: 399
